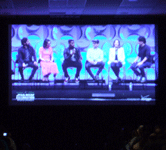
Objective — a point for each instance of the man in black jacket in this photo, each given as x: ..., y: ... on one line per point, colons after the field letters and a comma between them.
x: 25, y: 55
x: 72, y: 58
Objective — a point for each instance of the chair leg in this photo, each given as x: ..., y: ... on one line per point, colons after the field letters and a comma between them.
x: 108, y: 75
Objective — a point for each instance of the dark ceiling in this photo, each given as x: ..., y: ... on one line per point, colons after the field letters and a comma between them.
x: 82, y: 7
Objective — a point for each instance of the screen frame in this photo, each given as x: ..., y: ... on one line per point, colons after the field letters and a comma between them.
x: 152, y: 19
x: 83, y: 20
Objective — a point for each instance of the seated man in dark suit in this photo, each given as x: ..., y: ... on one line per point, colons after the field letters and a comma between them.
x: 25, y: 55
x: 72, y: 58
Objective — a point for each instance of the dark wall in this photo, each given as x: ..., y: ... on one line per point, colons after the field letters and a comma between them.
x: 62, y: 126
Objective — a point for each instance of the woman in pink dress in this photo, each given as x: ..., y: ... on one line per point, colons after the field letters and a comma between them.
x: 46, y: 57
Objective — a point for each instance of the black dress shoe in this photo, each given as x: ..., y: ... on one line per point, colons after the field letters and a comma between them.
x: 30, y: 80
x: 94, y: 78
x: 22, y: 80
x: 97, y: 77
x: 119, y: 79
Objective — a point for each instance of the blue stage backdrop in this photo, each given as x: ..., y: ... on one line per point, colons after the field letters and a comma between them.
x: 83, y: 36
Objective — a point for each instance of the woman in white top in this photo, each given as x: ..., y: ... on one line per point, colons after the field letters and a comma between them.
x: 116, y: 58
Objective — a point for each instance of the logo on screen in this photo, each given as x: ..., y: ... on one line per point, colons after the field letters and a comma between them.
x: 25, y: 96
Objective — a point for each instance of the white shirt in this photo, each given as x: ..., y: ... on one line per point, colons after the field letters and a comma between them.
x: 120, y: 54
x: 94, y: 54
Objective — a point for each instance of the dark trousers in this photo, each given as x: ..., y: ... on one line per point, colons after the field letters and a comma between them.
x: 76, y: 64
x: 30, y: 64
x: 88, y: 67
x: 139, y: 70
x: 116, y: 67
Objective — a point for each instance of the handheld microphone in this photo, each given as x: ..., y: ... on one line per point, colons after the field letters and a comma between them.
x: 74, y: 50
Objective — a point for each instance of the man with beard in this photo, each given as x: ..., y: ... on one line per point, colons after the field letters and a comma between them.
x: 25, y: 55
x: 72, y: 58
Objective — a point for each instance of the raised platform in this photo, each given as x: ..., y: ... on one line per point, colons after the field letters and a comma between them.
x: 85, y: 84
x: 132, y: 81
x: 59, y: 84
x: 58, y: 81
x: 82, y: 81
x: 132, y: 85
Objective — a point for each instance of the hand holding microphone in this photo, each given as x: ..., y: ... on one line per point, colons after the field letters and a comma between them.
x: 24, y: 65
x: 72, y: 51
